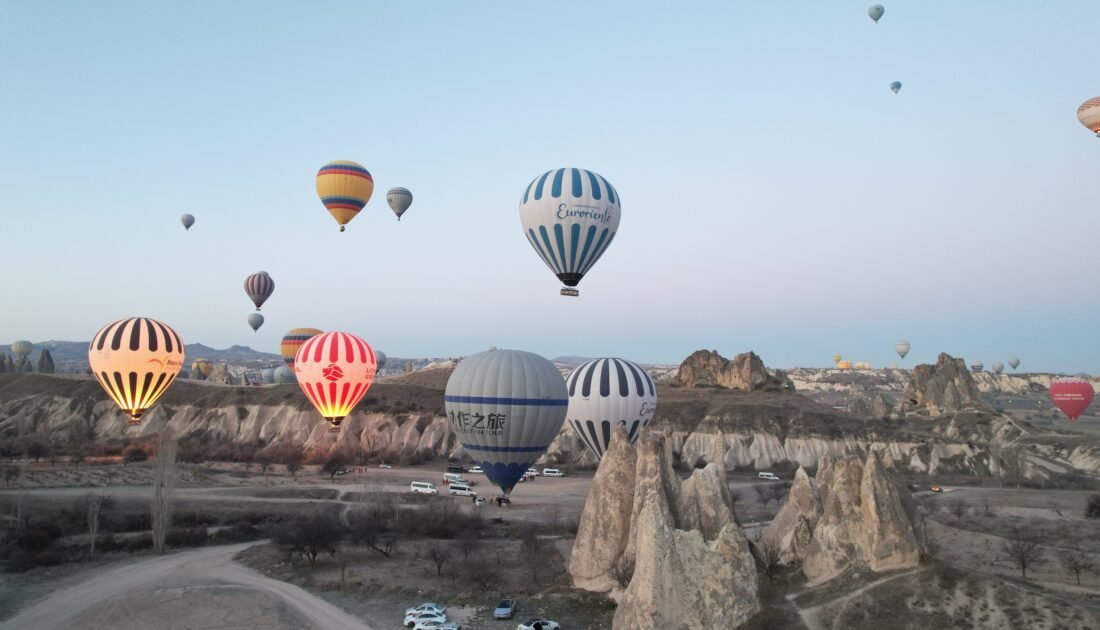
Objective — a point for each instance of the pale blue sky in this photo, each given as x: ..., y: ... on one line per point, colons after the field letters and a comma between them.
x: 776, y: 195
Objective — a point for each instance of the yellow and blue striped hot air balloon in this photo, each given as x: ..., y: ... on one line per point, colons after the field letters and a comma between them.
x: 344, y: 187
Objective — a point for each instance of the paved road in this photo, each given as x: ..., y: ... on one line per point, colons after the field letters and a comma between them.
x: 193, y: 589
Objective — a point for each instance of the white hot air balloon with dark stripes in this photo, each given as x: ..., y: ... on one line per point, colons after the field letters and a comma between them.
x: 259, y: 287
x: 135, y: 360
x: 606, y: 392
x: 570, y: 216
x: 505, y: 407
x: 399, y: 200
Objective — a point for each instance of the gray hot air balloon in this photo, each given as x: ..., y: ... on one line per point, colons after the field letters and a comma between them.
x: 998, y: 367
x: 896, y: 86
x: 1013, y: 362
x: 875, y: 12
x: 255, y: 320
x: 399, y: 199
x: 505, y: 407
x: 977, y: 366
x: 606, y: 392
x: 902, y: 348
x: 187, y: 221
x: 283, y: 375
x: 379, y: 359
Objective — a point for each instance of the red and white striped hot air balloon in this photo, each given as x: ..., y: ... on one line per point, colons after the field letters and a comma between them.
x: 335, y: 370
x: 259, y: 287
x: 1089, y: 114
x: 1072, y: 396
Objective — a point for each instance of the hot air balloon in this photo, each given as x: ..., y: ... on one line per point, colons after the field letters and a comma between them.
x: 284, y: 375
x: 293, y: 340
x: 22, y: 349
x: 604, y: 393
x: 1013, y: 362
x: 201, y: 368
x: 399, y: 200
x: 875, y: 12
x: 1072, y: 396
x: 1089, y: 115
x: 902, y: 348
x: 259, y: 286
x: 187, y: 221
x: 505, y: 407
x: 334, y: 370
x: 344, y: 187
x: 135, y: 360
x: 380, y: 359
x: 570, y: 217
x: 895, y: 86
x: 267, y: 375
x: 255, y: 320
x: 977, y: 366
x: 836, y: 358
x: 998, y: 367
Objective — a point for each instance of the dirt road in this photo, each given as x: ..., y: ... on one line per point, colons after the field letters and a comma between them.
x: 194, y: 589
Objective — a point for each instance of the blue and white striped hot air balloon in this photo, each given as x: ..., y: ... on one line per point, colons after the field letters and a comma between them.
x: 605, y: 392
x: 570, y: 217
x: 505, y: 407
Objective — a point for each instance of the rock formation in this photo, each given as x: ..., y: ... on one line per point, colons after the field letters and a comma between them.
x: 746, y: 372
x: 858, y: 407
x: 791, y: 531
x: 220, y: 374
x: 944, y: 387
x: 686, y: 561
x: 45, y: 362
x: 881, y: 407
x: 868, y: 520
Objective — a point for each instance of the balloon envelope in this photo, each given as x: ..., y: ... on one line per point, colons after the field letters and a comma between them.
x: 267, y: 375
x: 135, y: 360
x: 875, y: 12
x: 255, y: 320
x: 1013, y: 362
x: 977, y: 366
x: 284, y: 375
x: 1072, y: 396
x: 344, y: 188
x: 187, y: 221
x: 505, y: 407
x: 259, y: 286
x: 399, y: 200
x: 22, y: 348
x: 836, y: 358
x: 1089, y: 115
x: 895, y: 86
x: 380, y: 359
x: 293, y: 340
x: 570, y: 216
x: 334, y: 370
x: 998, y: 367
x: 902, y: 348
x: 604, y: 393
x: 201, y: 368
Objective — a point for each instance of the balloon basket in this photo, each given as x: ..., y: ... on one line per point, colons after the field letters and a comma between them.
x: 570, y: 291
x: 334, y: 429
x: 133, y: 422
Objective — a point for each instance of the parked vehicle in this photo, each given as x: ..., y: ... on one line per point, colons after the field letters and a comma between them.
x: 533, y: 472
x: 767, y: 475
x: 435, y: 624
x: 937, y: 489
x: 552, y: 472
x: 384, y: 466
x: 412, y: 620
x: 456, y: 478
x: 427, y: 607
x: 422, y: 487
x: 456, y: 468
x: 479, y: 501
x: 539, y: 624
x: 505, y: 609
x: 461, y: 490
x: 476, y: 470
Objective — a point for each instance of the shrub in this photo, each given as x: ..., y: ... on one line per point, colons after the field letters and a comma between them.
x: 1092, y: 509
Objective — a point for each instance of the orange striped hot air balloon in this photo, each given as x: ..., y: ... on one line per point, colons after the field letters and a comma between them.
x: 334, y: 370
x: 344, y: 187
x: 135, y: 360
x: 1089, y: 115
x: 294, y: 340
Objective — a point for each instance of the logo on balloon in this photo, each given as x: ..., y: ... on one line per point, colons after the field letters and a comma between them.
x: 581, y: 211
x: 333, y: 372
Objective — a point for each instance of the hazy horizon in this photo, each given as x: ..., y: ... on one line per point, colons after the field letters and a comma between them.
x: 777, y: 197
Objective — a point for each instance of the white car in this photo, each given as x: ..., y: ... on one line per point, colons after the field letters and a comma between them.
x: 539, y: 624
x: 427, y: 607
x: 454, y: 478
x: 384, y: 466
x: 552, y: 472
x: 476, y: 470
x: 422, y: 487
x: 461, y: 490
x: 413, y: 620
x: 437, y: 625
x: 533, y: 472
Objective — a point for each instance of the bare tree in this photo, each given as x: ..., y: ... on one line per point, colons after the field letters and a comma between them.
x: 623, y: 572
x: 333, y: 465
x: 310, y: 535
x: 164, y: 482
x: 134, y: 454
x: 348, y: 557
x: 292, y: 459
x: 263, y: 461
x: 762, y: 493
x: 533, y: 554
x: 94, y: 504
x: 987, y: 506
x: 1023, y: 548
x: 1076, y: 563
x: 482, y: 572
x: 777, y: 491
x: 467, y: 542
x: 768, y: 557
x: 439, y: 553
x: 957, y: 508
x: 367, y: 529
x: 1053, y: 506
x: 38, y: 449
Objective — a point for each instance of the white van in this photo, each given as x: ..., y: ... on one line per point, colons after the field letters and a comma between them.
x: 552, y: 472
x: 461, y: 490
x: 767, y: 475
x: 450, y: 478
x: 422, y: 487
